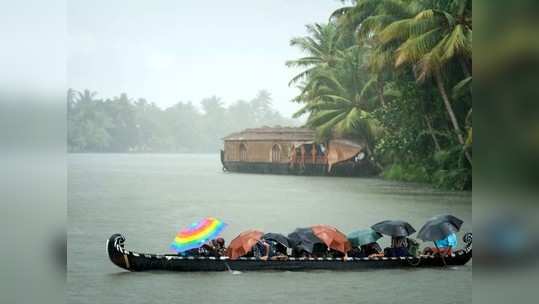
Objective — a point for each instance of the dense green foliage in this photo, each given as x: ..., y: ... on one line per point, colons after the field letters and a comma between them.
x: 121, y: 124
x: 397, y: 74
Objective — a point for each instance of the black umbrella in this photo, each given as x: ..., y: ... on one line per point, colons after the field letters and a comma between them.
x: 277, y: 237
x: 394, y: 228
x: 439, y: 227
x: 304, y: 239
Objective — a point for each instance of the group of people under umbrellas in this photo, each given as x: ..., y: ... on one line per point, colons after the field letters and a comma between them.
x: 327, y: 241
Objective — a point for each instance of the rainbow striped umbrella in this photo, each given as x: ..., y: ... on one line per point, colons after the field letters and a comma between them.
x: 197, y: 234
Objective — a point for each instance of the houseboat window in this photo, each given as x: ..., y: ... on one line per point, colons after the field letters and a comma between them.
x: 308, y: 149
x: 298, y: 152
x: 243, y: 152
x: 276, y: 153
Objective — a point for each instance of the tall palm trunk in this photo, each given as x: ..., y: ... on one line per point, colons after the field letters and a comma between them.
x: 431, y: 132
x: 453, y: 118
x: 380, y: 87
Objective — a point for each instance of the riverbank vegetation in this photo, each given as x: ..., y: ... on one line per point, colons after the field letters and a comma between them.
x: 398, y: 74
x: 122, y: 124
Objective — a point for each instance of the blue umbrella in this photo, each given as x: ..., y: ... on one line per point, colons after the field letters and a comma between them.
x: 439, y: 227
x: 363, y: 237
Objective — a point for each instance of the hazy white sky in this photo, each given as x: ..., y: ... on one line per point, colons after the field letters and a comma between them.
x: 185, y: 50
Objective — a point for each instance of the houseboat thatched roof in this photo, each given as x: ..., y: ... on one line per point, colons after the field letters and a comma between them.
x: 276, y: 133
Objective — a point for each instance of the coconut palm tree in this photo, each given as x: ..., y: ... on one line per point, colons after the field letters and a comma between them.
x: 365, y: 20
x: 431, y: 40
x: 86, y: 96
x: 337, y: 99
x: 321, y: 45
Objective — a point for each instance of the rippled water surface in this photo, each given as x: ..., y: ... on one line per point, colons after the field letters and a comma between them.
x: 148, y: 198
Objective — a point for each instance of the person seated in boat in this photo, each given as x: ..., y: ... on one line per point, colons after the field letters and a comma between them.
x: 444, y: 246
x: 261, y: 250
x: 206, y: 250
x: 319, y: 251
x: 371, y: 250
x: 301, y: 254
x: 335, y: 254
x: 399, y: 247
x: 219, y: 248
x: 355, y: 252
x: 412, y: 246
x: 332, y: 253
x: 213, y: 248
x: 276, y: 251
x: 195, y: 252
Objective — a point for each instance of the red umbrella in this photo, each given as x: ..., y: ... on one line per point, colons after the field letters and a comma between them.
x: 243, y: 243
x: 332, y: 237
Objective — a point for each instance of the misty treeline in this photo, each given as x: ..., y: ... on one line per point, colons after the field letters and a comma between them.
x: 398, y: 74
x: 123, y: 124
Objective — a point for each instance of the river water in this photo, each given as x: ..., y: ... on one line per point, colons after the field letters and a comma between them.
x: 149, y: 197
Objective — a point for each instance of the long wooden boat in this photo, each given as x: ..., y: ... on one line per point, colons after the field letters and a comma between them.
x: 134, y: 261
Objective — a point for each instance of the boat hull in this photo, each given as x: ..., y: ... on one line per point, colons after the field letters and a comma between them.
x: 343, y: 169
x: 134, y: 261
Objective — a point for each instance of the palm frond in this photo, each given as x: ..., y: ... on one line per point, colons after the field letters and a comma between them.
x: 424, y: 22
x: 343, y: 100
x: 398, y: 30
x: 341, y: 12
x: 461, y: 87
x: 351, y: 122
x: 320, y: 118
x: 413, y: 49
x: 432, y: 61
x: 304, y: 110
x: 457, y: 44
x: 369, y: 86
x: 469, y: 138
x: 301, y: 76
x: 373, y: 24
x: 302, y: 62
x: 326, y: 129
x: 426, y: 14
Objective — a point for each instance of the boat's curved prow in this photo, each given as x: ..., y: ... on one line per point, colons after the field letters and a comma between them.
x: 223, y: 162
x: 116, y: 251
x: 467, y: 239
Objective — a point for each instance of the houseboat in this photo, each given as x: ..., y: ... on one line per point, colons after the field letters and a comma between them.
x: 287, y: 150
